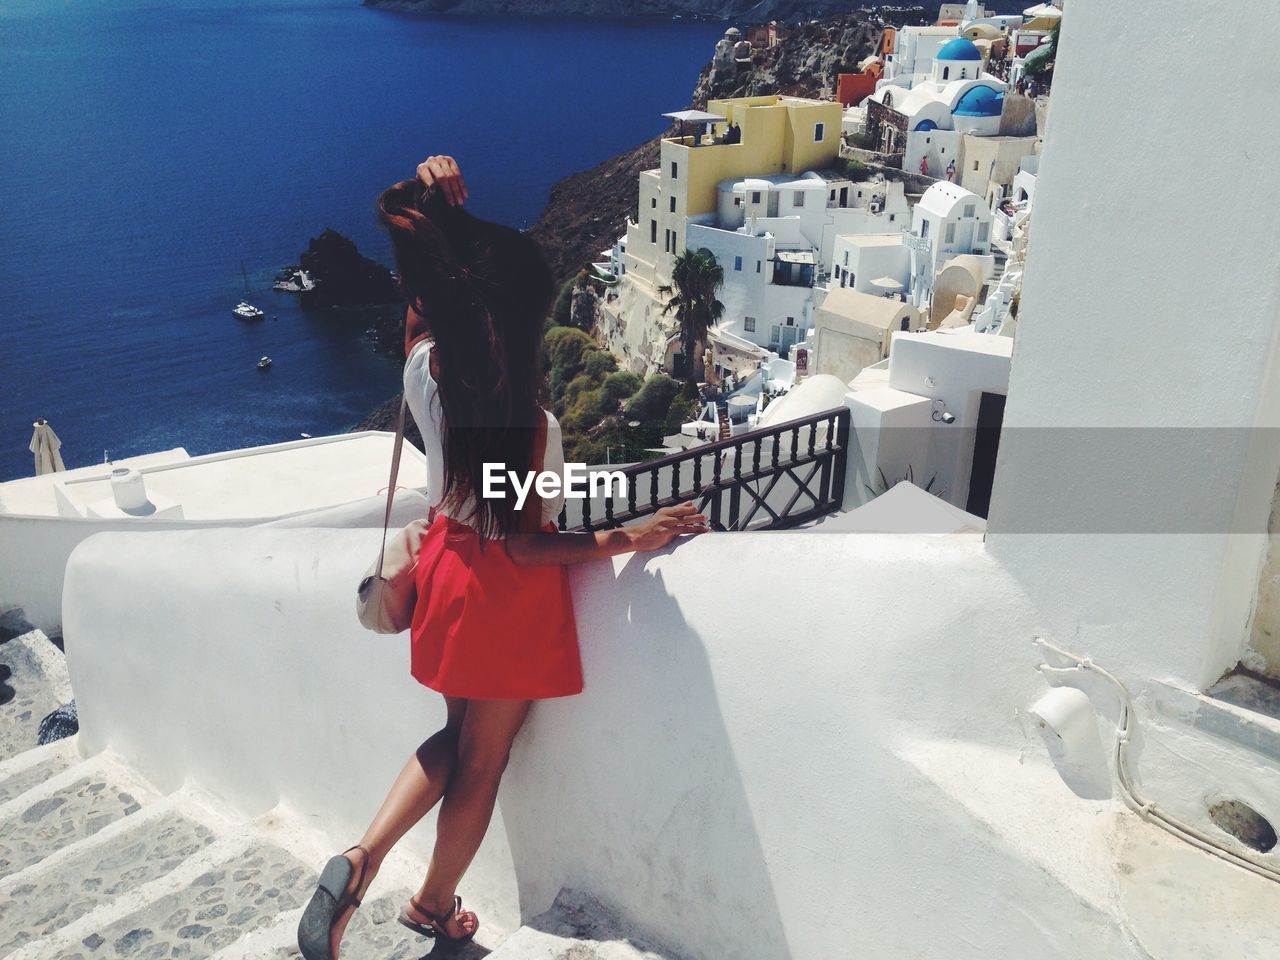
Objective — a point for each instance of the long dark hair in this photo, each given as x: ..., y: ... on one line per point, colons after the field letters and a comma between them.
x: 485, y: 291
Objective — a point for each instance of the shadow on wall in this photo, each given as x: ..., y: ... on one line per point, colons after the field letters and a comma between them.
x: 666, y: 809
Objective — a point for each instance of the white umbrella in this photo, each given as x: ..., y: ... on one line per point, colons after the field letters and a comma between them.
x: 44, y: 445
x: 886, y: 283
x: 1042, y: 10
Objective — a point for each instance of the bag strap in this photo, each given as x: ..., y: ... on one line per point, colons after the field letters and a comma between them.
x: 391, y: 484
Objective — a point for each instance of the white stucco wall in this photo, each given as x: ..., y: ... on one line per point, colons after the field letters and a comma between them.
x: 1186, y: 604
x: 727, y: 761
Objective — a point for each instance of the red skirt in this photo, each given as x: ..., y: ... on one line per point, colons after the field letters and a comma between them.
x: 486, y: 628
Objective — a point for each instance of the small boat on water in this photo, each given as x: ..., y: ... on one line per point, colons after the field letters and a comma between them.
x: 264, y: 363
x: 244, y: 309
x: 294, y: 280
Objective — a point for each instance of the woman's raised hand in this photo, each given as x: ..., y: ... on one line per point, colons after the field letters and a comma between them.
x: 442, y: 173
x: 665, y: 525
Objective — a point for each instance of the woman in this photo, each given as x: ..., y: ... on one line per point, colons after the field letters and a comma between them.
x: 493, y: 629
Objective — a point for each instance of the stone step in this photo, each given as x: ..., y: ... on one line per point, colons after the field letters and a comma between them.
x: 33, y: 683
x: 372, y: 933
x: 48, y: 896
x: 31, y: 768
x: 244, y: 890
x: 73, y: 804
x: 578, y: 927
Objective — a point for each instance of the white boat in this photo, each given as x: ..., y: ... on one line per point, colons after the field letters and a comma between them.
x: 264, y: 363
x: 244, y: 309
x: 292, y: 280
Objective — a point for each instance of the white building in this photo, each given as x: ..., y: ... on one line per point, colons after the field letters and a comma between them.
x: 775, y: 236
x: 913, y: 52
x: 948, y: 220
x: 955, y: 98
x: 922, y: 413
x: 863, y: 262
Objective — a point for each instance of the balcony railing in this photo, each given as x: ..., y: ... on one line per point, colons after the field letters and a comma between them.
x: 768, y: 479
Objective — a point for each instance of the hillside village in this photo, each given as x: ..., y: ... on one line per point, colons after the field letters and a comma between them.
x: 822, y: 231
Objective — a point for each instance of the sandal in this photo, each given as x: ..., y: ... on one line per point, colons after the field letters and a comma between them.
x: 328, y: 903
x: 436, y: 931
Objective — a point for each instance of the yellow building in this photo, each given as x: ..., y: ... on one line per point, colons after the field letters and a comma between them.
x: 747, y: 136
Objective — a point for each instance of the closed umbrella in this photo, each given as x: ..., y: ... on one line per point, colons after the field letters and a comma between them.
x: 44, y: 446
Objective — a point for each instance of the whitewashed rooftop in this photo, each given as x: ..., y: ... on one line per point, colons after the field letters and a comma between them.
x: 248, y: 483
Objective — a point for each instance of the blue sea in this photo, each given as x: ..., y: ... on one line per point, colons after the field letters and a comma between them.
x: 149, y: 148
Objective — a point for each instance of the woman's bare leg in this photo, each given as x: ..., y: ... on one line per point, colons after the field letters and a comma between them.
x: 416, y: 790
x: 488, y: 728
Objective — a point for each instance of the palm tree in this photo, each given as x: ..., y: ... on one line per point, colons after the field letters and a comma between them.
x: 695, y: 278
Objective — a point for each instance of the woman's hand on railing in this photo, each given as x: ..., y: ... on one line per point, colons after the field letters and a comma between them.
x: 442, y: 173
x: 658, y: 530
x: 652, y: 533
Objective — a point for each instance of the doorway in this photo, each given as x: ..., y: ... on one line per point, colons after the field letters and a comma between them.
x: 986, y: 444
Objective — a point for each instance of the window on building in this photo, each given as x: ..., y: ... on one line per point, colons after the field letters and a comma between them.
x: 654, y: 203
x: 951, y: 233
x: 749, y: 324
x: 982, y: 232
x: 797, y: 199
x: 846, y: 258
x: 906, y: 324
x: 673, y: 204
x: 891, y: 217
x: 653, y: 231
x: 975, y: 165
x: 968, y: 210
x: 833, y: 195
x: 737, y: 264
x: 675, y: 170
x: 737, y: 201
x: 946, y: 73
x: 791, y: 321
x: 775, y: 333
x: 819, y: 130
x: 759, y: 265
x: 924, y: 228
x: 755, y: 196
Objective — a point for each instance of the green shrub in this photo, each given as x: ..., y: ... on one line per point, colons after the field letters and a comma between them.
x: 653, y: 399
x: 677, y: 414
x: 601, y: 363
x: 619, y: 386
x: 565, y: 351
x: 562, y: 312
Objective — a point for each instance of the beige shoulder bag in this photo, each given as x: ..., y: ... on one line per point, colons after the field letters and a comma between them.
x: 388, y: 591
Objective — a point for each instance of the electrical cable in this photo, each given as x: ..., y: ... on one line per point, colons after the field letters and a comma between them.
x: 1147, y: 809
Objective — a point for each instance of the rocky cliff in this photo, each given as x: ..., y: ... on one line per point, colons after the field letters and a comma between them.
x: 344, y: 277
x: 806, y: 63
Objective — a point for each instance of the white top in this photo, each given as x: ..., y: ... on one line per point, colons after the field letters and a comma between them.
x: 420, y: 391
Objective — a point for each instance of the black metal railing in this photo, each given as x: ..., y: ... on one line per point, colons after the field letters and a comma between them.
x: 767, y: 479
